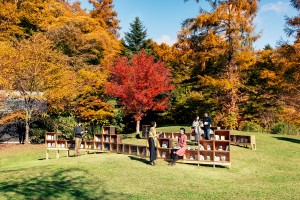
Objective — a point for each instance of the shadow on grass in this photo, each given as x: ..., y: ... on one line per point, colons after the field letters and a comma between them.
x: 62, y: 184
x: 293, y: 140
x: 143, y: 160
x: 127, y: 136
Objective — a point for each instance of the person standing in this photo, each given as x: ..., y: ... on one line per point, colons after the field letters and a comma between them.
x: 21, y: 132
x: 78, y: 137
x: 197, y: 124
x: 206, y: 124
x: 182, y: 144
x: 153, y: 143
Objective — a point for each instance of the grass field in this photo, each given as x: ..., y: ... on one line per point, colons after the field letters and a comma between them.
x: 270, y: 172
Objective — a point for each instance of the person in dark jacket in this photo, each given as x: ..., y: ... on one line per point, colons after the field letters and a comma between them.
x: 21, y: 131
x: 206, y: 123
x: 78, y: 137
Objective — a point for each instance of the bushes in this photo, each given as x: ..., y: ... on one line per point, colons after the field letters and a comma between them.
x: 285, y: 129
x: 251, y: 127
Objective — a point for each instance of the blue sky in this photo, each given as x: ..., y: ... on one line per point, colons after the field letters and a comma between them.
x: 163, y: 18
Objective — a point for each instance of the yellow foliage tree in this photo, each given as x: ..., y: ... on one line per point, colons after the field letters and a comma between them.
x: 36, y: 73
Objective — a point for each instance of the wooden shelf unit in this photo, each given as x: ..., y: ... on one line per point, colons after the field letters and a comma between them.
x: 54, y: 144
x: 243, y: 140
x: 110, y: 130
x: 211, y: 152
x: 145, y: 130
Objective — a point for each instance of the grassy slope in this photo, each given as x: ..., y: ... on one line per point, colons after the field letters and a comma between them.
x: 270, y: 172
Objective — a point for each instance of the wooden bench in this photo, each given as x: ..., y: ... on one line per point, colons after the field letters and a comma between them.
x: 57, y: 149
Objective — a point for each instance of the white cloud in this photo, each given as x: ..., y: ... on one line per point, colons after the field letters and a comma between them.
x: 278, y: 7
x: 165, y: 39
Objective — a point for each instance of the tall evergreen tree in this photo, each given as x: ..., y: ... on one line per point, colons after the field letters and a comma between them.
x: 135, y: 39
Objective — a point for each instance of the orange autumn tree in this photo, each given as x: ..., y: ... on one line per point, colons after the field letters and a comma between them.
x: 34, y: 73
x: 141, y: 84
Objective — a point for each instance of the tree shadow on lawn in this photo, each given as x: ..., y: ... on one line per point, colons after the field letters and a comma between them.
x: 67, y: 183
x: 297, y: 141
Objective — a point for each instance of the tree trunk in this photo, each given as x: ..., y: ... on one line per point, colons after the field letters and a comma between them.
x: 27, y: 122
x: 138, y: 127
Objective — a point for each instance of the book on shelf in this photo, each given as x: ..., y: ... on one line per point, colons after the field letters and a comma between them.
x: 107, y: 139
x: 223, y: 158
x: 201, y: 157
x: 207, y: 157
x: 165, y: 144
x: 201, y: 147
x: 208, y: 147
x: 222, y: 137
x: 49, y: 144
x: 61, y: 145
x: 227, y: 147
x: 99, y: 146
x: 50, y: 137
x: 217, y: 158
x: 217, y: 137
x: 164, y: 154
x: 220, y: 148
x: 191, y: 157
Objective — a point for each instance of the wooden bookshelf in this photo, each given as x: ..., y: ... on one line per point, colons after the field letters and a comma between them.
x: 145, y: 130
x: 52, y: 143
x: 211, y: 152
x: 126, y: 149
x: 243, y: 140
x: 165, y: 142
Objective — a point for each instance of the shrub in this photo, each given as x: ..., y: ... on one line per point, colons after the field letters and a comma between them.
x: 64, y: 127
x: 285, y: 129
x: 37, y: 135
x: 251, y: 127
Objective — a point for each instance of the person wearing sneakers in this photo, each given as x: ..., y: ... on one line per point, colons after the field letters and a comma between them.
x: 182, y: 144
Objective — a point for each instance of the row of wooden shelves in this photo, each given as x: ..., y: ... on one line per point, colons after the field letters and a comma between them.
x: 99, y: 139
x: 214, y: 151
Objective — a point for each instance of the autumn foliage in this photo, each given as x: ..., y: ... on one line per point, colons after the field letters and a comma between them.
x: 140, y: 84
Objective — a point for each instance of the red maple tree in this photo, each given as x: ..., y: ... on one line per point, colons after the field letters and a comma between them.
x: 141, y: 84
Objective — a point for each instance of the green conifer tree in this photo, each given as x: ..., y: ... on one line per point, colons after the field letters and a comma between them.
x: 135, y: 39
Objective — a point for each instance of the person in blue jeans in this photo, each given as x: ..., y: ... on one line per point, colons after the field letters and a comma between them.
x: 206, y: 123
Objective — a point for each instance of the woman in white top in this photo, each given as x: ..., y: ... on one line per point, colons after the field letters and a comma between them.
x: 197, y: 124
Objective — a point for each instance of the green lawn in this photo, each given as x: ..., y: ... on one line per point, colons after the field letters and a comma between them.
x: 270, y: 172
